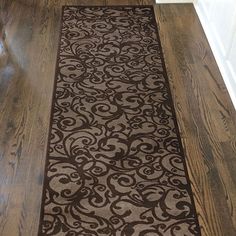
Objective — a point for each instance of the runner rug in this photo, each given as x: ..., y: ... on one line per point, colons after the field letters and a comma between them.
x: 115, y: 165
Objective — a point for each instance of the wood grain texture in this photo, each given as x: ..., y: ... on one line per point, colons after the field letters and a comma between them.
x: 206, y: 116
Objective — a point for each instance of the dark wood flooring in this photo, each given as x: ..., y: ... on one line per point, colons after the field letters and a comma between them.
x: 206, y: 116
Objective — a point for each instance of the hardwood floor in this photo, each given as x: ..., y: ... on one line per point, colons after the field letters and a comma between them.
x: 206, y: 116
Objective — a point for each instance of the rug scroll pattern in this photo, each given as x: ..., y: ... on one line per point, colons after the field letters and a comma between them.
x: 115, y: 165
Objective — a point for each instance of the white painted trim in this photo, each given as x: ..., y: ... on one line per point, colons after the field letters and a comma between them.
x: 175, y: 1
x: 224, y: 65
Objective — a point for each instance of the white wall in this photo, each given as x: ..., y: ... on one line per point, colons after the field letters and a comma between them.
x: 218, y: 18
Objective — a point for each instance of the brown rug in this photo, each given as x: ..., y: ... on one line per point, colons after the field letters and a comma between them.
x: 115, y: 165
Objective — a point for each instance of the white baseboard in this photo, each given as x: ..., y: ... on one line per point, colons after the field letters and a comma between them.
x: 175, y: 1
x: 225, y: 68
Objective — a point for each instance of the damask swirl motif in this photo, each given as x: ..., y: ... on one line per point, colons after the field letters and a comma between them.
x: 115, y: 165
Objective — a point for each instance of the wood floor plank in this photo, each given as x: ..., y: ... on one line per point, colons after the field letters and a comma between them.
x: 206, y: 116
